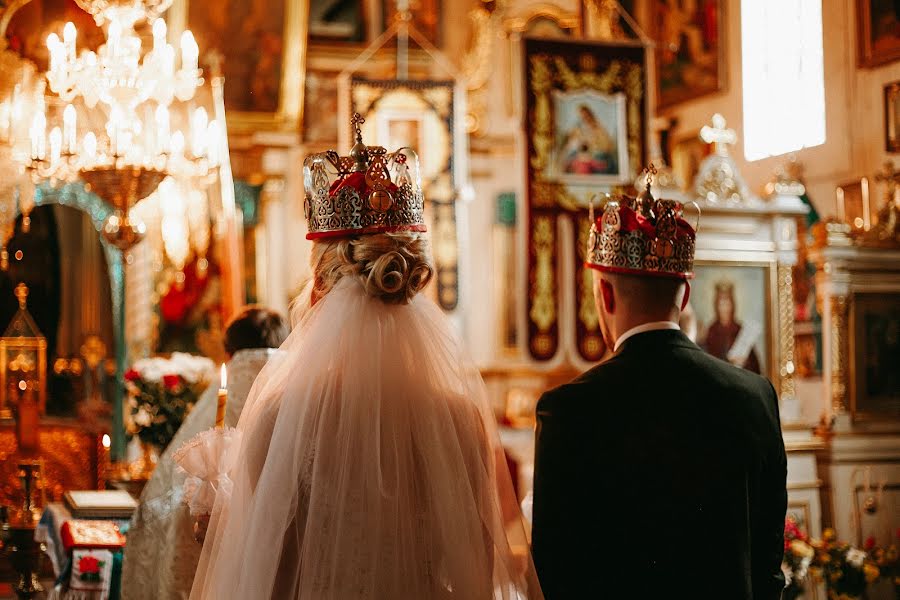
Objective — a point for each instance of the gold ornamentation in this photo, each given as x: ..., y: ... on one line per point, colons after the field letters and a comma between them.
x: 840, y: 346
x: 786, y: 330
x: 719, y: 179
x: 543, y: 288
x: 587, y: 311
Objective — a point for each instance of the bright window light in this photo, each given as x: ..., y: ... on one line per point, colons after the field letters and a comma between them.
x: 784, y: 78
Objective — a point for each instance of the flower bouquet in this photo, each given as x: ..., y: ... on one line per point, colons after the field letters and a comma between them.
x: 847, y: 570
x: 161, y: 393
x: 798, y: 556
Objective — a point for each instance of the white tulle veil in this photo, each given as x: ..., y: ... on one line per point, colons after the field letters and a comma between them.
x: 371, y: 468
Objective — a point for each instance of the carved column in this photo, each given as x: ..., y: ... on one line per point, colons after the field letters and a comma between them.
x: 786, y: 330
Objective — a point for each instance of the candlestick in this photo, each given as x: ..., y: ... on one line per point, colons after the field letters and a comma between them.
x: 199, y: 122
x: 841, y: 209
x: 223, y: 398
x: 69, y: 129
x: 867, y: 217
x: 190, y: 52
x: 69, y: 34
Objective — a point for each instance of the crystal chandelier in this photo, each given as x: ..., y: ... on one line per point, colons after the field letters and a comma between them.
x: 135, y: 128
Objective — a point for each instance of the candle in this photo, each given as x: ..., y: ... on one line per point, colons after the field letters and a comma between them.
x: 37, y: 133
x: 159, y: 34
x: 199, y: 123
x: 69, y: 34
x: 223, y: 398
x: 69, y: 128
x: 190, y: 52
x: 112, y: 126
x: 113, y: 36
x: 53, y: 46
x: 55, y: 144
x: 839, y: 195
x: 867, y: 218
x: 162, y: 129
x: 90, y: 147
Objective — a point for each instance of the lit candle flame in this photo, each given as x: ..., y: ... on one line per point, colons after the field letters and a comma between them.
x: 106, y: 441
x: 223, y: 377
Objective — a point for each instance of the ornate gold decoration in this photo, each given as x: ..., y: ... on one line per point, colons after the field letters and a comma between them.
x: 23, y: 359
x: 587, y: 311
x: 840, y: 345
x: 564, y: 19
x: 605, y: 16
x: 477, y: 67
x: 543, y: 287
x: 372, y: 192
x: 624, y: 75
x: 719, y: 179
x: 786, y: 330
x: 885, y: 230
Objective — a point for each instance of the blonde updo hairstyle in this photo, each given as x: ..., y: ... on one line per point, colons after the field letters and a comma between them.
x: 393, y: 267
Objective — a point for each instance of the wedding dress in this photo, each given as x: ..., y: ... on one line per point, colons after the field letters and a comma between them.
x: 369, y: 469
x: 161, y: 555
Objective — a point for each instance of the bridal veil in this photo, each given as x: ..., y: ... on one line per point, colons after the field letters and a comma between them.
x: 370, y: 468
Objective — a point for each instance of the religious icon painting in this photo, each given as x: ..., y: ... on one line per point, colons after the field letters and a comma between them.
x: 690, y: 46
x: 425, y: 116
x: 875, y: 348
x: 892, y: 117
x: 259, y: 46
x: 731, y: 306
x: 320, y: 113
x: 878, y: 24
x: 585, y: 131
x: 591, y: 146
x: 337, y: 21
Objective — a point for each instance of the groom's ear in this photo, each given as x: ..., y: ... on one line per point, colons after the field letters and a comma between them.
x: 608, y: 296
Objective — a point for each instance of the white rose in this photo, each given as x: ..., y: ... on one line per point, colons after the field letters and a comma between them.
x: 856, y: 557
x: 142, y: 418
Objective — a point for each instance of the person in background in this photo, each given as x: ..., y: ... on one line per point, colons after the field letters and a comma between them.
x: 161, y: 555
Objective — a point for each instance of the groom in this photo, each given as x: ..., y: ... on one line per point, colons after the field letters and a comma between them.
x: 659, y: 473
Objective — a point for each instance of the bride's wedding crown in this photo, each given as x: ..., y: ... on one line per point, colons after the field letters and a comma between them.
x: 369, y: 191
x: 642, y: 236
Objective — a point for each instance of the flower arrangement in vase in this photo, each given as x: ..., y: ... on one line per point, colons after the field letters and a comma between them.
x: 161, y: 393
x: 798, y: 556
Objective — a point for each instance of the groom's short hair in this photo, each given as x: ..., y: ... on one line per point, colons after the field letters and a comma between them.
x: 255, y: 327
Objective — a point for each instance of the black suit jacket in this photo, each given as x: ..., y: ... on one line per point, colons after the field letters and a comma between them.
x: 660, y: 474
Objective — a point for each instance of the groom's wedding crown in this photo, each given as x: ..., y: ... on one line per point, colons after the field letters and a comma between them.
x: 369, y: 191
x: 642, y: 236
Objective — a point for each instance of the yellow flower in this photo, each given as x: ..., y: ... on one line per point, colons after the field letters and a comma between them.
x: 871, y: 572
x: 828, y: 534
x: 802, y: 549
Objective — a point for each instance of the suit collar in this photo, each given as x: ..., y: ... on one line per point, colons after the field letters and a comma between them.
x: 655, y: 339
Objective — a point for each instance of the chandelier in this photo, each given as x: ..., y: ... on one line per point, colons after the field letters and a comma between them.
x: 119, y: 119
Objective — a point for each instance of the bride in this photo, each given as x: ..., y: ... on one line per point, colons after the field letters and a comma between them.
x: 371, y: 466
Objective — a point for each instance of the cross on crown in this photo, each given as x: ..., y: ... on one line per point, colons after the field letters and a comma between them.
x: 357, y: 120
x: 719, y: 135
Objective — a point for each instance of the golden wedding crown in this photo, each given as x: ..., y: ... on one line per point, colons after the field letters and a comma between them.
x: 369, y: 191
x: 643, y: 236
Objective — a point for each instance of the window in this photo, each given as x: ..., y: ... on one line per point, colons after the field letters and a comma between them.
x: 784, y: 78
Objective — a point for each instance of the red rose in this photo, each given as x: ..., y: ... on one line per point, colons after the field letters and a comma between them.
x: 132, y: 375
x: 172, y: 382
x: 89, y: 565
x: 870, y: 543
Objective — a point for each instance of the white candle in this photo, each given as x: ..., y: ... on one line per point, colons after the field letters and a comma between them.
x: 37, y: 134
x: 867, y: 219
x: 115, y: 122
x: 55, y: 144
x: 90, y: 147
x: 69, y: 34
x: 69, y: 128
x: 159, y: 34
x: 199, y: 122
x: 190, y: 52
x: 839, y: 196
x: 53, y: 44
x: 162, y: 129
x: 177, y: 142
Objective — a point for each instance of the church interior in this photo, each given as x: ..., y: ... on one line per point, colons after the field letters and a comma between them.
x: 152, y: 184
